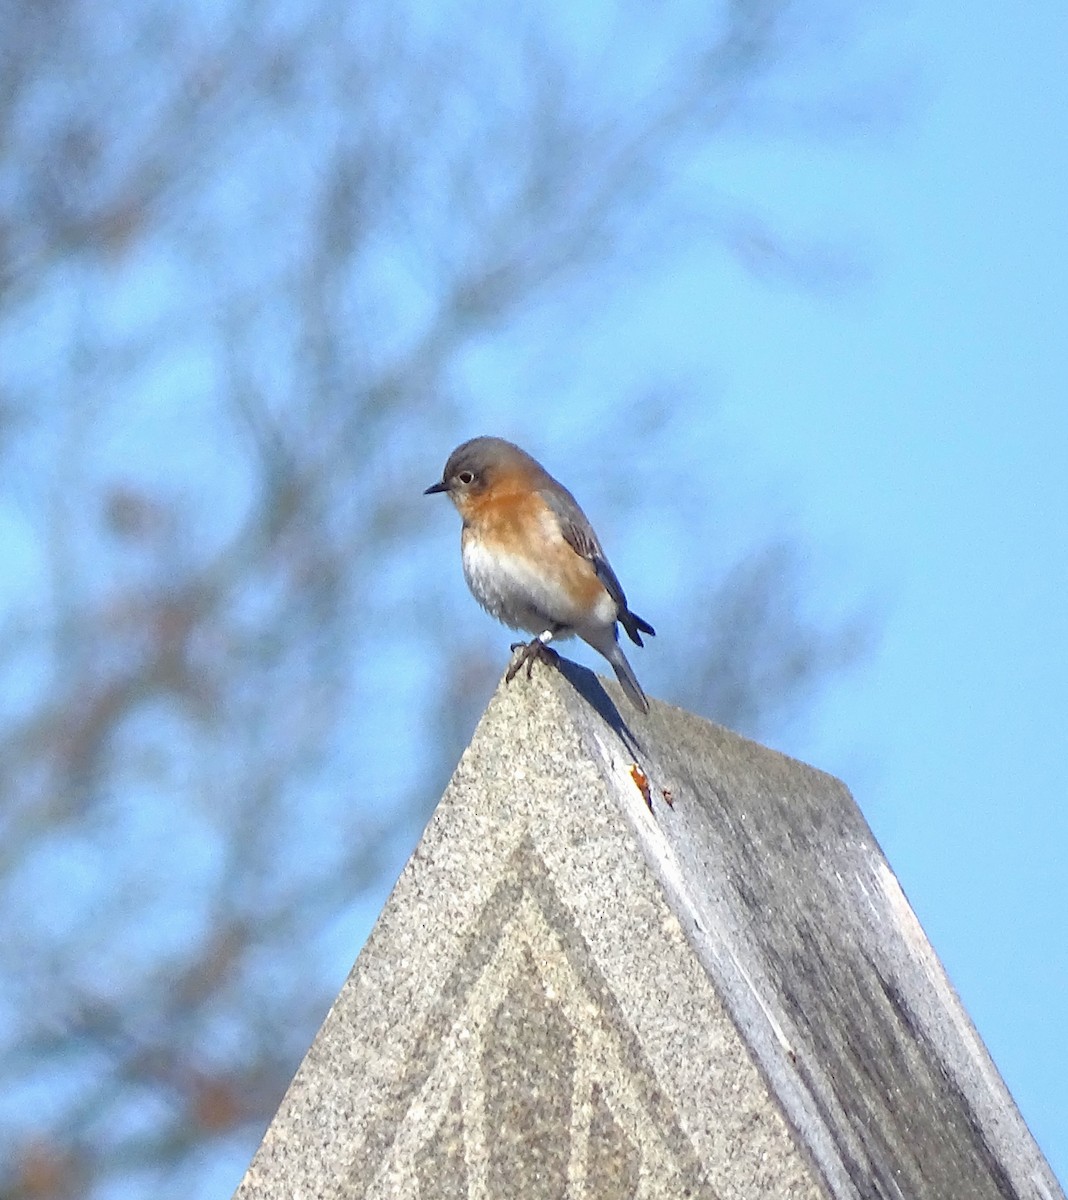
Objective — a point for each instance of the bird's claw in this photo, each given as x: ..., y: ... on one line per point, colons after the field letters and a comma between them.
x: 530, y: 651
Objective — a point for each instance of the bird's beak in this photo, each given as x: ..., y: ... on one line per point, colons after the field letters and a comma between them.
x: 436, y: 487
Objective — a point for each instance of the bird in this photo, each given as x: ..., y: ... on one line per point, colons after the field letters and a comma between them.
x: 532, y: 560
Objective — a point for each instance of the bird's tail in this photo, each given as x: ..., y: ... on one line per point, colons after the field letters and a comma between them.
x: 634, y: 625
x: 628, y: 680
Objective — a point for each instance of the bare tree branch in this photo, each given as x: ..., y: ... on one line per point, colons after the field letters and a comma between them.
x: 248, y: 252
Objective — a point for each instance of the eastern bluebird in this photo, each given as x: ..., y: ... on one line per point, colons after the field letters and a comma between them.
x: 531, y: 557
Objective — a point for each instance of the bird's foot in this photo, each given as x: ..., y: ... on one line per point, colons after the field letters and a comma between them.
x: 530, y: 651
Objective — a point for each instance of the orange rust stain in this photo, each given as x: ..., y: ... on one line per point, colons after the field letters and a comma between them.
x: 641, y: 780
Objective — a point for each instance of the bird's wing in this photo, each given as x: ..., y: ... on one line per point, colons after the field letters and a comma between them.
x: 579, y: 535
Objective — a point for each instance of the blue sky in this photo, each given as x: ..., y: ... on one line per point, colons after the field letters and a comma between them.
x: 910, y: 426
x: 915, y: 428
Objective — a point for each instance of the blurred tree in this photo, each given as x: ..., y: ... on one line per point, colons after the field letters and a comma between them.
x: 250, y: 254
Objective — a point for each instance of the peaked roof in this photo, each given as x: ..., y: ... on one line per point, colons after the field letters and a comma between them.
x: 644, y: 958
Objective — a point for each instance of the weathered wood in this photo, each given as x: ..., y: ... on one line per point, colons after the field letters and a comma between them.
x: 644, y: 960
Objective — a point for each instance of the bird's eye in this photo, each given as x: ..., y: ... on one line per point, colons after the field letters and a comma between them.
x: 466, y: 477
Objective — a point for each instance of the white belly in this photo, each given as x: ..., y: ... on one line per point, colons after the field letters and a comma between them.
x: 522, y: 596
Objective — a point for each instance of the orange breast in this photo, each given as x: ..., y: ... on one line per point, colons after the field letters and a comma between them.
x: 519, y: 522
